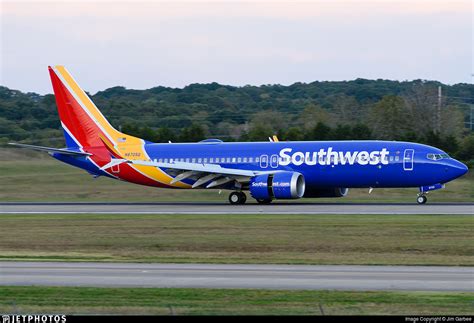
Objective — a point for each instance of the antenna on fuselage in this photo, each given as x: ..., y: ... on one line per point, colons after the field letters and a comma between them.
x: 273, y: 138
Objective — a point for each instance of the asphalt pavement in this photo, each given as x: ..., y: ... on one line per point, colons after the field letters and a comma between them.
x: 295, y: 277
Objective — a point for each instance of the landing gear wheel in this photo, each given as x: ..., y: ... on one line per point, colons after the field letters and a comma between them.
x: 237, y: 198
x: 263, y: 201
x: 421, y: 199
x: 243, y: 198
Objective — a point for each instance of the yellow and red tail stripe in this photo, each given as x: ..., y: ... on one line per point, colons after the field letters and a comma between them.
x: 87, y: 125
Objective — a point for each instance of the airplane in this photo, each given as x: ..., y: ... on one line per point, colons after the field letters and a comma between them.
x: 272, y: 170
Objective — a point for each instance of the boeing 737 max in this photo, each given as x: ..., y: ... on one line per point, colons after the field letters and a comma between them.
x: 268, y: 170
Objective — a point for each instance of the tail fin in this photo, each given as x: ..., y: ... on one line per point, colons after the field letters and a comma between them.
x: 82, y: 122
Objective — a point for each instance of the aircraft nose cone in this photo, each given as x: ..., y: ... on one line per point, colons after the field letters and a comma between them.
x: 457, y: 168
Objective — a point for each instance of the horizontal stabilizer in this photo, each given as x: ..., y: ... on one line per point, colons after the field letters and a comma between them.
x: 63, y: 151
x: 113, y: 162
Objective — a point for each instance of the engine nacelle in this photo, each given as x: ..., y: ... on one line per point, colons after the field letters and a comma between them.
x: 326, y: 192
x: 281, y: 185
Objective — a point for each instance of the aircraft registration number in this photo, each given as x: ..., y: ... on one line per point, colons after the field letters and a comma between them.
x: 133, y: 154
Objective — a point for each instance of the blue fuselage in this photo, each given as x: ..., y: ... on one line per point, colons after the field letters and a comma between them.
x: 325, y: 163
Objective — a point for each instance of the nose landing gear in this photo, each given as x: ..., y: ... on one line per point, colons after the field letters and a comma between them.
x: 237, y: 198
x: 421, y: 199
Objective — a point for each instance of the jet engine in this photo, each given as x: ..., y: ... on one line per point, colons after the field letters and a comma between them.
x: 281, y: 185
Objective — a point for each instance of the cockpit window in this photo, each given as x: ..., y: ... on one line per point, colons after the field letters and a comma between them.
x: 437, y: 156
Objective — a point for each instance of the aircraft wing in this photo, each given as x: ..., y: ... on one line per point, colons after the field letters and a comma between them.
x: 63, y: 151
x: 203, y: 173
x: 207, y: 168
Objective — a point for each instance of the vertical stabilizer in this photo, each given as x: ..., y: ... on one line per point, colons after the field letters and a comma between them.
x: 81, y: 120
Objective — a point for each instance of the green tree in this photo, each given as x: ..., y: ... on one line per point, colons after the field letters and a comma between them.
x: 320, y: 132
x: 449, y: 144
x: 131, y: 129
x: 164, y: 134
x: 390, y: 118
x: 260, y: 132
x: 466, y: 150
x: 272, y: 120
x: 432, y: 139
x: 147, y: 133
x: 311, y: 115
x: 361, y: 132
x: 194, y: 133
x: 293, y: 134
x: 342, y: 132
x: 346, y: 109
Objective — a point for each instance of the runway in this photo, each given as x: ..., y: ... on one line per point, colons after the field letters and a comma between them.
x: 301, y: 277
x: 224, y: 208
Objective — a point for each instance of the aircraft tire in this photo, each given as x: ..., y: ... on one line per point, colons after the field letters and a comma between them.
x: 421, y: 199
x: 243, y: 198
x: 264, y: 201
x: 237, y: 198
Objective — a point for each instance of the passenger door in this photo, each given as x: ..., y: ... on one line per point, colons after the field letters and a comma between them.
x: 408, y: 159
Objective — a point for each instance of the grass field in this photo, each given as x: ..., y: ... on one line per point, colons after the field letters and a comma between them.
x: 285, y: 239
x: 289, y: 239
x: 31, y: 176
x: 82, y: 300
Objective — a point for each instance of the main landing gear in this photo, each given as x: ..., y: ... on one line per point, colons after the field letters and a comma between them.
x: 237, y: 198
x: 421, y: 199
x: 264, y: 201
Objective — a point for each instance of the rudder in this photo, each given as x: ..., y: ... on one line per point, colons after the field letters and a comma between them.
x: 82, y: 122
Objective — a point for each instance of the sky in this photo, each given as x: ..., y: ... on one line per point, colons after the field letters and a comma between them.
x: 145, y: 44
